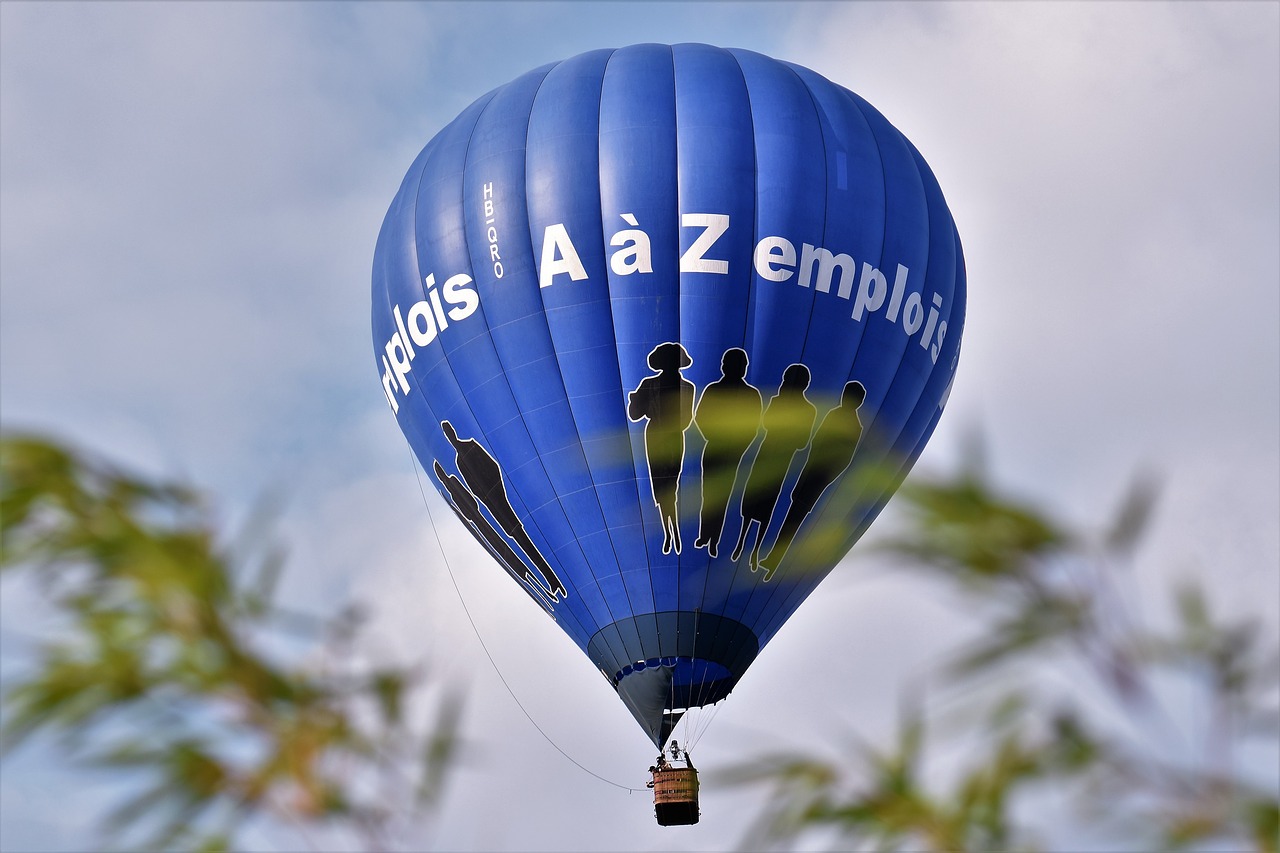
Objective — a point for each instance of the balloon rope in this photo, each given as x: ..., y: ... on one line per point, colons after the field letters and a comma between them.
x: 440, y: 544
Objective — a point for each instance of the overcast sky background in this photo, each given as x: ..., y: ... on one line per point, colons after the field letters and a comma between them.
x: 189, y: 199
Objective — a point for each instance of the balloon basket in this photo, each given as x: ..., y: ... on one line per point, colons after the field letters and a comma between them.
x: 675, y: 793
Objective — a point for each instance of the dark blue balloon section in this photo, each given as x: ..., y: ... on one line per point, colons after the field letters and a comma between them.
x: 667, y: 325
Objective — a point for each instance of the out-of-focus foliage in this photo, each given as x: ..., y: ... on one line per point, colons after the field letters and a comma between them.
x: 160, y: 667
x: 1046, y: 595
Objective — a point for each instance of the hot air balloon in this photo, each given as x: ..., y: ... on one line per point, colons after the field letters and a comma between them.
x: 667, y: 324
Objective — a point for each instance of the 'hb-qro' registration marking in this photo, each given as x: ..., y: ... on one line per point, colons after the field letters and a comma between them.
x: 491, y: 231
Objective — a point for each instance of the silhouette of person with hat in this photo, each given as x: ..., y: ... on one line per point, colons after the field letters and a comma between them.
x: 666, y: 400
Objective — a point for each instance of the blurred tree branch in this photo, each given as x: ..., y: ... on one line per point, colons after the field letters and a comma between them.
x: 161, y: 669
x: 1045, y: 592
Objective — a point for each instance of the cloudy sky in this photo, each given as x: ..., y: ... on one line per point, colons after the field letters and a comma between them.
x: 189, y: 198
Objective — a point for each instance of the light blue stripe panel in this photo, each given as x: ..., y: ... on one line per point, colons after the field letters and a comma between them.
x: 564, y: 146
x: 791, y: 203
x: 506, y: 275
x: 638, y: 178
x: 717, y: 178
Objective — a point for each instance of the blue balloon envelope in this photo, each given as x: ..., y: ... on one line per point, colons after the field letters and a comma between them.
x: 667, y: 325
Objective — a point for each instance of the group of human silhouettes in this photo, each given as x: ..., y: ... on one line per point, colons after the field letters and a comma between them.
x: 730, y: 415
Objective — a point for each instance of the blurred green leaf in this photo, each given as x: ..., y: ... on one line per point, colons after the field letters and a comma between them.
x: 1021, y: 632
x: 440, y: 749
x: 1263, y: 819
x: 964, y: 528
x: 1134, y: 515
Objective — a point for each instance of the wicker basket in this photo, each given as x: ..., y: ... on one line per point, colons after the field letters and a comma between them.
x: 675, y: 795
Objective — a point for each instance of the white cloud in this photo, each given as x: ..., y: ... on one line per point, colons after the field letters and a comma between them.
x: 1113, y: 171
x: 189, y: 201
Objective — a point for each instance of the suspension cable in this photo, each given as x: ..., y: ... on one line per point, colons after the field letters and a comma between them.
x: 458, y: 590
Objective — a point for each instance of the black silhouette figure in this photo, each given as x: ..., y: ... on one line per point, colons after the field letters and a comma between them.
x: 788, y: 420
x: 728, y: 416
x: 829, y: 455
x: 667, y: 401
x: 468, y: 509
x: 483, y: 477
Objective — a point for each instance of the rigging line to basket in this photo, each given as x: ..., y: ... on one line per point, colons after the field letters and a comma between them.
x: 475, y: 628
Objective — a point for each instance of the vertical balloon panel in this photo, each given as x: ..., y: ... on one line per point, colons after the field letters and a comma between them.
x: 498, y: 235
x: 717, y: 193
x: 666, y: 326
